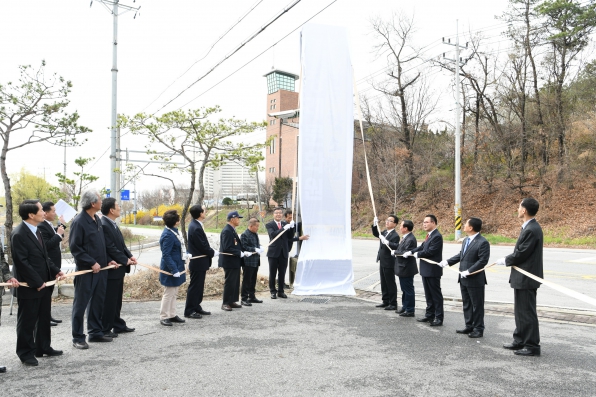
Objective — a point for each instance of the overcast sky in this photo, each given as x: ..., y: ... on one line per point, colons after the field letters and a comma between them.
x: 167, y: 37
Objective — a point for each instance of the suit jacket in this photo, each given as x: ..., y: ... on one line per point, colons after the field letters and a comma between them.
x: 31, y: 262
x: 406, y: 267
x: 280, y: 247
x: 230, y: 243
x: 171, y: 258
x: 116, y: 249
x: 475, y: 258
x: 198, y: 244
x: 250, y: 242
x: 431, y: 249
x: 527, y: 255
x: 384, y: 253
x: 52, y: 241
x: 87, y: 242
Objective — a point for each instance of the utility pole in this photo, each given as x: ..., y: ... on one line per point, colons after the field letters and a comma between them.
x: 457, y: 61
x: 116, y: 6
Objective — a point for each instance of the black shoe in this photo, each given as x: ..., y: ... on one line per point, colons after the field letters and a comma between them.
x: 52, y: 319
x: 124, y: 330
x: 436, y: 323
x: 110, y: 334
x: 475, y: 334
x: 177, y: 319
x: 424, y: 319
x: 226, y: 308
x: 234, y: 305
x: 254, y: 300
x: 2, y: 370
x: 166, y: 322
x: 383, y: 305
x: 407, y: 314
x: 81, y: 345
x: 273, y: 295
x: 282, y: 295
x: 194, y: 315
x: 400, y: 311
x: 100, y: 339
x: 513, y: 346
x: 49, y: 353
x: 246, y: 303
x: 53, y: 324
x: 204, y: 312
x: 391, y: 307
x: 528, y: 351
x: 31, y: 362
x: 464, y: 331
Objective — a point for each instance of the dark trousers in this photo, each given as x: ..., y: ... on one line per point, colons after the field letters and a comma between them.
x: 408, y: 301
x: 112, y: 306
x: 249, y: 281
x: 89, y: 296
x: 473, y: 303
x: 231, y: 286
x: 434, y: 297
x: 526, y: 319
x: 194, y: 295
x: 33, y: 325
x: 388, y: 285
x: 277, y: 268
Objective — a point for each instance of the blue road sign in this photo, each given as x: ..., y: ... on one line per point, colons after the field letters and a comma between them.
x: 125, y: 195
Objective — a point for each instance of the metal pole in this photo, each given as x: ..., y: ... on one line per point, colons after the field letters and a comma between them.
x: 457, y: 208
x: 135, y: 208
x: 113, y: 153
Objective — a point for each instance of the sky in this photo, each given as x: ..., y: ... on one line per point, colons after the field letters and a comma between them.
x: 167, y: 37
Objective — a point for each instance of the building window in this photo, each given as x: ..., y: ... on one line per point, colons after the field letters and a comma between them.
x: 272, y: 122
x: 272, y: 147
x: 272, y: 170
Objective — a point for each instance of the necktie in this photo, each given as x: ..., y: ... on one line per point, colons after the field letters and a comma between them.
x: 38, y: 234
x: 278, y: 225
x: 427, y: 237
x: 466, y: 246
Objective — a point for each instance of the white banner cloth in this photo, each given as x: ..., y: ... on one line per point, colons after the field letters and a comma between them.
x: 325, y: 152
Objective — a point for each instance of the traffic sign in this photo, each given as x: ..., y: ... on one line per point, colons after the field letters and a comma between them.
x: 125, y: 195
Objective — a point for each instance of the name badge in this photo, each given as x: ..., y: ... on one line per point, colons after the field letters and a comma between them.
x: 235, y: 242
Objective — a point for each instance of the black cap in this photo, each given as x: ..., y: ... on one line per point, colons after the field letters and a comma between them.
x: 234, y: 214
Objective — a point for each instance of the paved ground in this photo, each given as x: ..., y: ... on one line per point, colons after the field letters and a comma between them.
x: 345, y: 347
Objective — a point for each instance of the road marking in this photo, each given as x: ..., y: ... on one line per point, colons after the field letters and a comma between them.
x: 591, y: 260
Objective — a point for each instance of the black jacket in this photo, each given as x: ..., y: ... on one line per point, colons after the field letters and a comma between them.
x: 198, y: 244
x: 116, y: 249
x: 406, y: 267
x: 280, y: 247
x: 527, y: 255
x: 384, y: 253
x: 87, y: 242
x: 230, y: 243
x: 431, y: 249
x: 475, y: 258
x: 52, y: 240
x: 31, y: 263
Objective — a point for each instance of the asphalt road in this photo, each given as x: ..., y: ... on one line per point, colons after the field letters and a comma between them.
x: 572, y: 268
x: 290, y: 348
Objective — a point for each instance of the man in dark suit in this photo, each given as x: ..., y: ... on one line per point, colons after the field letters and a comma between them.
x: 116, y: 252
x: 34, y: 267
x: 389, y: 240
x: 52, y: 237
x: 474, y: 255
x: 431, y: 248
x: 527, y: 255
x: 250, y: 267
x: 277, y: 253
x: 232, y: 251
x: 88, y: 248
x: 198, y: 245
x: 406, y: 269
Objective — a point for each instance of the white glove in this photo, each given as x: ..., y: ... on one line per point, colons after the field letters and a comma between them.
x: 443, y: 263
x: 288, y: 226
x: 375, y: 221
x: 186, y: 256
x: 415, y: 255
x: 383, y: 239
x: 393, y: 252
x: 407, y: 254
x: 215, y: 253
x: 177, y: 274
x: 259, y: 250
x: 464, y: 274
x: 292, y: 224
x: 501, y: 262
x: 247, y: 254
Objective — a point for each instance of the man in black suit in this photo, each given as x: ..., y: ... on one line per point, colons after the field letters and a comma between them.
x: 117, y: 252
x: 277, y: 253
x: 406, y: 269
x: 52, y: 237
x: 527, y: 255
x: 232, y: 251
x: 34, y: 267
x: 389, y: 240
x: 88, y: 248
x: 198, y: 245
x: 431, y: 248
x: 474, y: 255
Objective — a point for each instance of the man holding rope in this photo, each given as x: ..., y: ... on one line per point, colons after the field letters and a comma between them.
x: 230, y: 259
x: 277, y: 253
x: 528, y: 256
x: 389, y: 240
